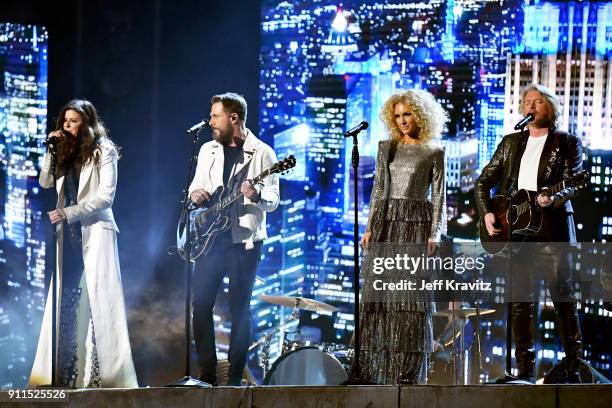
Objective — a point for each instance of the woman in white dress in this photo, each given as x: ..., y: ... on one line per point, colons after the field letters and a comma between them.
x: 93, y: 348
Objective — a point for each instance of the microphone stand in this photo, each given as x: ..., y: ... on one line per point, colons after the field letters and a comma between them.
x: 188, y: 380
x: 356, y: 378
x: 54, y: 281
x: 508, y: 378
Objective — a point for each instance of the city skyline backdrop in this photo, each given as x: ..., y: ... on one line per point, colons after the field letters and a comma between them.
x: 325, y: 67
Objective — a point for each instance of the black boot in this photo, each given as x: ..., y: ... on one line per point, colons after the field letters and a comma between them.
x: 208, y: 374
x: 571, y: 339
x: 235, y: 378
x: 522, y: 329
x: 235, y: 372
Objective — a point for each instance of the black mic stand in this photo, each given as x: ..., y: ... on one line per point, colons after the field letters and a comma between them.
x: 188, y: 380
x: 508, y: 378
x: 54, y: 280
x: 356, y: 378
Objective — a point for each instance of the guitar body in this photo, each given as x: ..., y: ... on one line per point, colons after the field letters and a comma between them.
x: 526, y: 213
x: 496, y: 244
x: 203, y: 235
x: 530, y: 221
x: 526, y: 219
x: 204, y: 224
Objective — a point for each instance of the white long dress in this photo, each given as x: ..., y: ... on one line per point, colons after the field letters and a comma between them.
x: 101, y: 308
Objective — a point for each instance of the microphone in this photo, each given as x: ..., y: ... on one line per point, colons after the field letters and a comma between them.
x: 54, y: 140
x: 523, y: 122
x: 355, y: 131
x: 198, y: 126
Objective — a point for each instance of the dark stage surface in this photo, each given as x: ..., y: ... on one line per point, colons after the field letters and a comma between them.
x: 524, y: 396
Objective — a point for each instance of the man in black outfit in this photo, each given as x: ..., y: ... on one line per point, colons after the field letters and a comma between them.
x: 233, y: 158
x: 533, y: 160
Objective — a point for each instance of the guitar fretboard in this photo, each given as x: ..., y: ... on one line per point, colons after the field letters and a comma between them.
x: 227, y: 201
x: 524, y: 207
x: 556, y: 188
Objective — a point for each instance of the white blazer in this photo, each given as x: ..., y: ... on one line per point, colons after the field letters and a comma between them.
x: 251, y: 225
x: 102, y: 283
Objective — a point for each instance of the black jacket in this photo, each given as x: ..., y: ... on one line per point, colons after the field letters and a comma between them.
x: 561, y: 158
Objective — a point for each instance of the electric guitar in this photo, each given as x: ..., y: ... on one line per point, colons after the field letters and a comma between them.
x: 526, y: 213
x: 206, y: 223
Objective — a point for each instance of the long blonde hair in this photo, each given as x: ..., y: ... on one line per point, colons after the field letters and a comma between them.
x: 429, y: 115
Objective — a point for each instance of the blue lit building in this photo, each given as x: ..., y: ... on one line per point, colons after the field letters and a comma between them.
x: 325, y: 152
x: 23, y: 235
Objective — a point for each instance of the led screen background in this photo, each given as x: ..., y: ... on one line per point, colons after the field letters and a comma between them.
x: 23, y: 237
x: 326, y: 66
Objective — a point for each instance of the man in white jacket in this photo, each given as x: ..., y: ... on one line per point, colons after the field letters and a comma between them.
x: 231, y: 159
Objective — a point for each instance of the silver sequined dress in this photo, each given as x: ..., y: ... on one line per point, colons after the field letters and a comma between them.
x: 396, y: 326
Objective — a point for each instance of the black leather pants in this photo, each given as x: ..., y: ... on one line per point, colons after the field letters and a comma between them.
x: 548, y: 262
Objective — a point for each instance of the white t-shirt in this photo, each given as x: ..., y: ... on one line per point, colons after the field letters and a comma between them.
x: 528, y: 172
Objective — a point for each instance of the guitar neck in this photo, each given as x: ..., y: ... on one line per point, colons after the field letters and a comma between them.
x: 556, y: 188
x: 565, y: 183
x: 227, y: 201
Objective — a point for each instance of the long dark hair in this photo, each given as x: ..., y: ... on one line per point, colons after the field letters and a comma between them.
x: 80, y: 149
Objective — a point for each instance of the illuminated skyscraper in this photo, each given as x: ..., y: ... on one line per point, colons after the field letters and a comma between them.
x: 325, y: 163
x: 293, y: 141
x: 566, y: 49
x: 461, y: 155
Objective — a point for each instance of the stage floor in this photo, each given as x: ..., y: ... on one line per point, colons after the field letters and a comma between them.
x: 493, y: 396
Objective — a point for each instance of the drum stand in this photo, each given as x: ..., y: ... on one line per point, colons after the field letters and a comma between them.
x: 477, y: 350
x: 458, y: 357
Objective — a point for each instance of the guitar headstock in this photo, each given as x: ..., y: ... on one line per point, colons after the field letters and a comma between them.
x: 283, y: 165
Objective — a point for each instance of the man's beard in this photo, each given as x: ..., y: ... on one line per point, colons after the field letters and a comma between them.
x: 543, y: 122
x: 223, y: 136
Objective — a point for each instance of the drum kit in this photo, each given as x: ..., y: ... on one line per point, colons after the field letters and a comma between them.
x: 302, y: 362
x: 309, y: 363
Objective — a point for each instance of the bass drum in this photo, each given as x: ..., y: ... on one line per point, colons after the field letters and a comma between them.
x: 306, y: 366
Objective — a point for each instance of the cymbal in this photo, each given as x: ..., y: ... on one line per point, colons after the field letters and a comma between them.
x: 299, y: 302
x: 463, y: 313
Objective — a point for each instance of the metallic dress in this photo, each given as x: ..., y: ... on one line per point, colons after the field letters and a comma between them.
x: 396, y: 326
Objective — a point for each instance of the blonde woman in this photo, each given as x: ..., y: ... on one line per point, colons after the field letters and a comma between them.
x: 396, y: 329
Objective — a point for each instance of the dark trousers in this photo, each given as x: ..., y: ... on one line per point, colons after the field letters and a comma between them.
x: 240, y: 265
x: 552, y: 263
